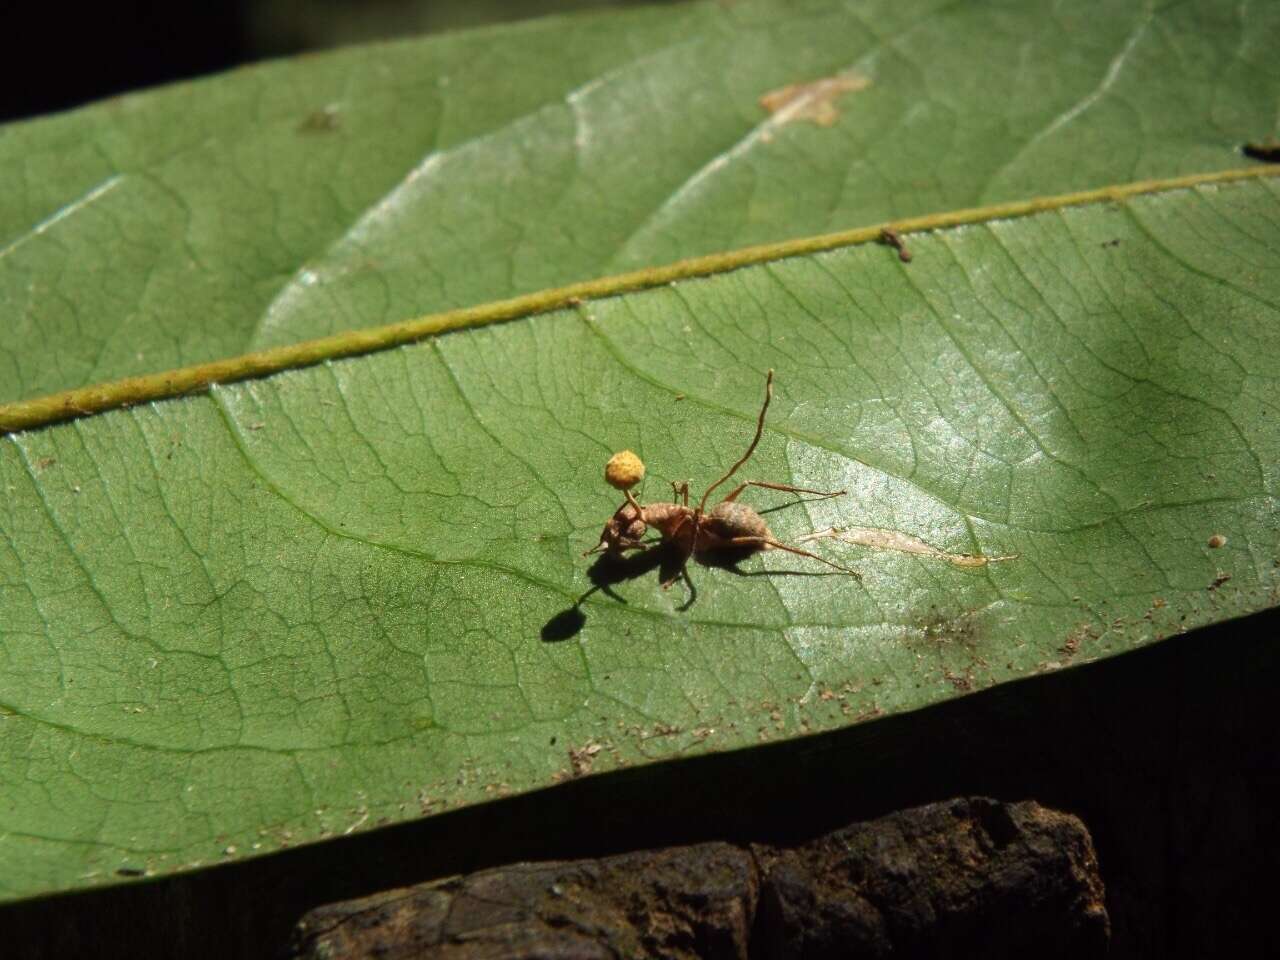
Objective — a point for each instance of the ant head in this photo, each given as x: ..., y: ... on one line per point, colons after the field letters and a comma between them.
x: 623, y: 530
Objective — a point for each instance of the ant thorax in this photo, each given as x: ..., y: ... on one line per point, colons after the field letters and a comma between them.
x: 667, y: 518
x: 717, y: 529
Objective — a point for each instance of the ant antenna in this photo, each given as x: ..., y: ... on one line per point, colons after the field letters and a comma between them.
x: 768, y: 395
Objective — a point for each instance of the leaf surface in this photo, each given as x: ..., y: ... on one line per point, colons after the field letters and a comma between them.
x: 340, y: 191
x: 353, y: 594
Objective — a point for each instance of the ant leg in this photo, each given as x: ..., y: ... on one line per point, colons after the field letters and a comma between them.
x: 685, y: 546
x: 768, y: 395
x: 679, y: 490
x: 603, y: 547
x: 785, y: 487
x: 763, y: 542
x: 683, y: 571
x: 693, y: 592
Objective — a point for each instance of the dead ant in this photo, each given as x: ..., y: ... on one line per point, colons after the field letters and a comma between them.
x: 730, y: 527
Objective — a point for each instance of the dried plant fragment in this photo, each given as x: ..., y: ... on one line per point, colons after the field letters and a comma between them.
x: 881, y: 539
x: 583, y: 758
x: 814, y: 101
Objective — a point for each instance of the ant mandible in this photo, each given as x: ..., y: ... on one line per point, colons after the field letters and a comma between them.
x: 729, y: 527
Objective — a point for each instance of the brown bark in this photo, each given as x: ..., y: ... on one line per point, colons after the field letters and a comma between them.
x: 969, y: 877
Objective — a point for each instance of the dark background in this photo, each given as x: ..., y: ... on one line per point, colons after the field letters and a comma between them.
x: 55, y: 56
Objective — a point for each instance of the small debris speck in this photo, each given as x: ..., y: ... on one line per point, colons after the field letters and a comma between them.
x: 324, y: 120
x: 583, y: 759
x: 891, y: 238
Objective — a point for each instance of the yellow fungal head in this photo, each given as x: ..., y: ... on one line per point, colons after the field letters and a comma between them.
x: 624, y: 470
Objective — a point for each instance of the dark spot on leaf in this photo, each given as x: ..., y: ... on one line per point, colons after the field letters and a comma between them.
x: 324, y: 120
x: 1268, y: 151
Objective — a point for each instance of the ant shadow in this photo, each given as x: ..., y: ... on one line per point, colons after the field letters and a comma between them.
x: 729, y: 560
x: 604, y: 574
x: 610, y: 570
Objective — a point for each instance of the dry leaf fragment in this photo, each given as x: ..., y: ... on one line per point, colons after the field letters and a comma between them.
x: 897, y: 540
x: 814, y: 101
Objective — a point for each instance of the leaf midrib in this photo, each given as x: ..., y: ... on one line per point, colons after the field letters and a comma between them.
x: 198, y: 378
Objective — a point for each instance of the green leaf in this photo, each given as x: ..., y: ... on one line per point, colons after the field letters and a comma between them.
x: 300, y: 606
x: 341, y: 191
x: 305, y: 605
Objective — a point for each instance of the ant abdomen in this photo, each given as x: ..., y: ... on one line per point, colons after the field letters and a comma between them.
x: 730, y: 520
